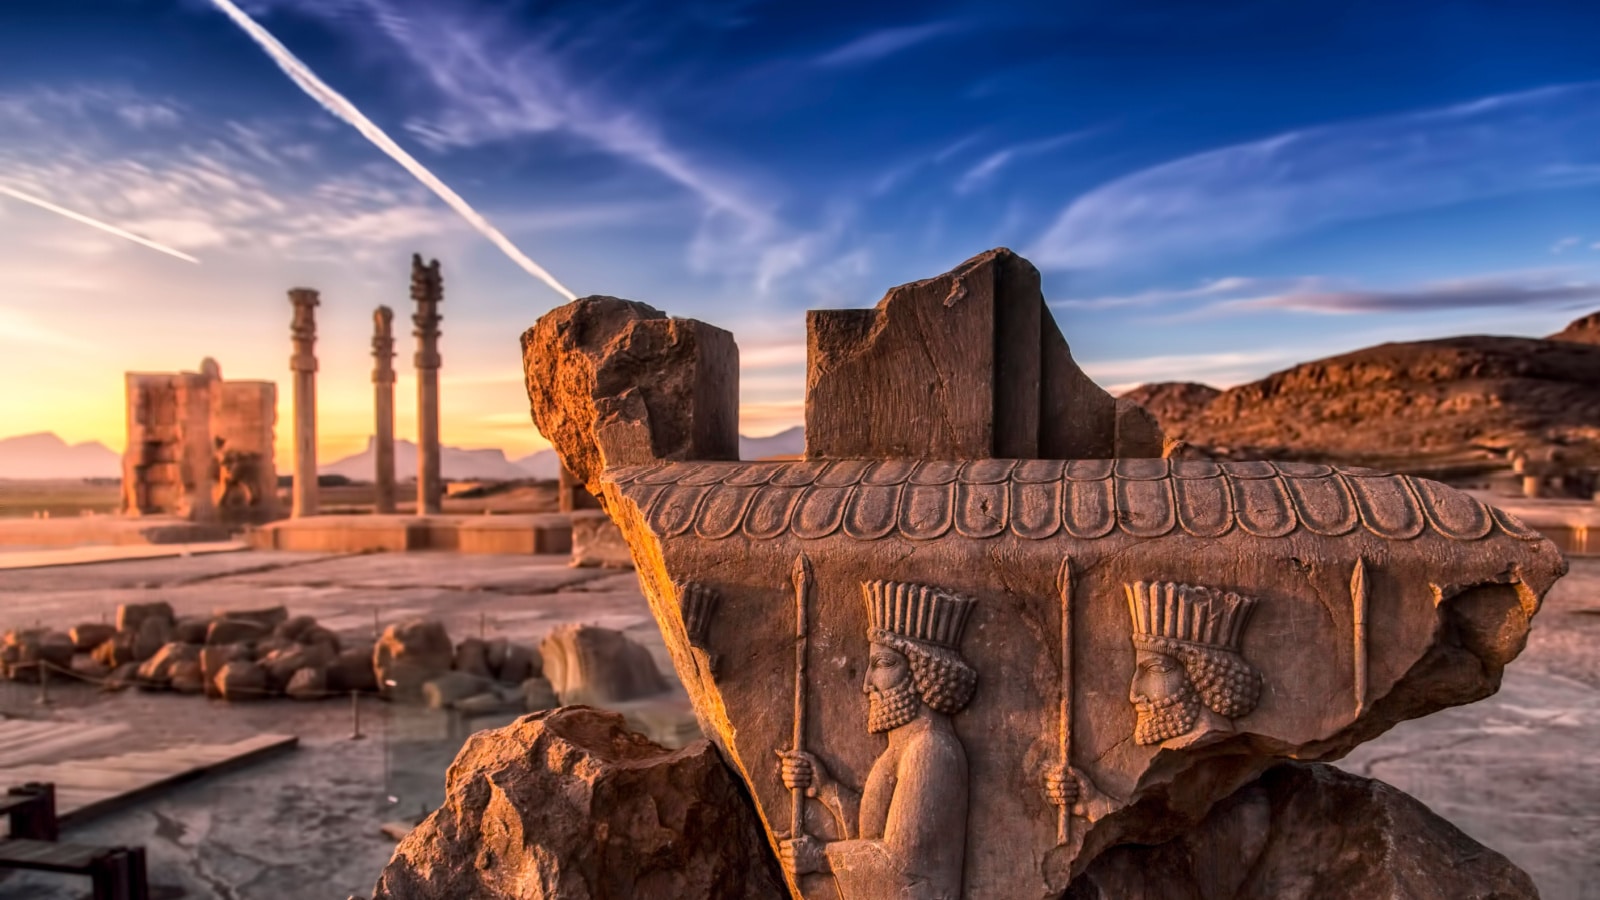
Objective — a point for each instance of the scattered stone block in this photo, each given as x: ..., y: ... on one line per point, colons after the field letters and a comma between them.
x: 131, y: 615
x: 521, y: 662
x: 269, y: 618
x: 292, y: 628
x: 538, y: 695
x: 409, y: 654
x: 191, y: 629
x: 90, y: 635
x: 570, y: 801
x: 317, y: 635
x: 157, y: 670
x: 154, y: 633
x: 351, y: 670
x: 591, y: 665
x: 122, y: 677
x: 472, y: 657
x: 495, y: 654
x: 447, y: 689
x: 597, y: 542
x: 116, y: 651
x: 214, y: 657
x: 240, y: 680
x: 281, y: 665
x: 89, y: 668
x: 186, y: 677
x: 310, y: 683
x: 487, y: 703
x: 236, y: 631
x: 23, y: 652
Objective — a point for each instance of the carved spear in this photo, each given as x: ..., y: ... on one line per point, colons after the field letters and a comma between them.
x: 802, y: 591
x: 1064, y: 733
x: 1358, y: 602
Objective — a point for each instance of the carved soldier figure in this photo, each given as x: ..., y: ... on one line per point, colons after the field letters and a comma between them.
x: 904, y: 835
x: 1189, y: 677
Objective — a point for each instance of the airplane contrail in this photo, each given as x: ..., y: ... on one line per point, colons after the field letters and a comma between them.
x: 95, y: 223
x: 335, y: 103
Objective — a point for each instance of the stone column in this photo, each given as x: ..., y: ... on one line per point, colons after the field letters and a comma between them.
x: 383, y: 403
x: 427, y: 289
x: 303, y: 331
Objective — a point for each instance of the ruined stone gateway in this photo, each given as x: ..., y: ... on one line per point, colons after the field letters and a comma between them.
x: 948, y: 667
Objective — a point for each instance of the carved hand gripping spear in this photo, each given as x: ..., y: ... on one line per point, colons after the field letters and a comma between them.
x: 1064, y: 732
x: 802, y: 590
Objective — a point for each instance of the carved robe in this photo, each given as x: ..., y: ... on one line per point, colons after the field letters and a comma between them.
x: 912, y: 838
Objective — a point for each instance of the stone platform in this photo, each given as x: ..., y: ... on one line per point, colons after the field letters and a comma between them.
x: 509, y: 534
x: 1572, y: 525
x: 86, y: 530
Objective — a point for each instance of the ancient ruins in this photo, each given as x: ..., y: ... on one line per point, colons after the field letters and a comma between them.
x: 427, y: 289
x: 199, y: 447
x: 987, y: 634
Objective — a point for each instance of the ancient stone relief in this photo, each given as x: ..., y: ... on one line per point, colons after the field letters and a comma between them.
x: 1190, y: 680
x: 904, y: 834
x: 698, y: 604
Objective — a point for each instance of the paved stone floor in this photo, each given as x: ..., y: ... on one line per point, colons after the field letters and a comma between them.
x: 1519, y: 771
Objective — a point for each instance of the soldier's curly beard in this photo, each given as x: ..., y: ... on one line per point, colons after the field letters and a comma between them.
x: 1164, y: 718
x: 891, y: 708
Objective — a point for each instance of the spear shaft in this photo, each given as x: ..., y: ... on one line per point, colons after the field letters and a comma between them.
x: 1064, y: 731
x: 802, y: 591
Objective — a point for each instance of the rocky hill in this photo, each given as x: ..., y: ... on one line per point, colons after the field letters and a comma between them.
x: 44, y: 455
x: 1404, y: 405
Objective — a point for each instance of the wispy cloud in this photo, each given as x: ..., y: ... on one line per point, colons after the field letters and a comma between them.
x: 1459, y: 294
x: 988, y: 167
x: 1217, y: 369
x: 107, y: 227
x: 1249, y: 194
x: 1565, y: 244
x: 18, y: 327
x: 885, y: 42
x: 898, y: 174
x: 335, y: 103
x: 1213, y: 288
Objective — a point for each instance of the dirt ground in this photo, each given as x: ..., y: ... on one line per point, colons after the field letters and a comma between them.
x: 1518, y: 771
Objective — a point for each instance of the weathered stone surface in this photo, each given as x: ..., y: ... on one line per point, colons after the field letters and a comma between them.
x: 115, y: 651
x: 1138, y: 432
x: 213, y: 657
x: 1307, y: 831
x: 487, y: 703
x: 409, y: 654
x: 89, y: 668
x: 131, y: 615
x: 586, y: 664
x: 635, y: 385
x: 228, y: 630
x: 23, y: 652
x: 186, y: 677
x: 538, y: 695
x: 268, y: 618
x: 521, y: 662
x: 241, y: 680
x: 153, y: 634
x: 291, y: 629
x: 191, y: 630
x: 157, y: 670
x: 310, y: 683
x: 1146, y: 634
x: 968, y: 365
x: 570, y: 804
x: 444, y: 691
x: 597, y: 542
x: 122, y: 677
x: 281, y: 665
x: 90, y: 635
x: 318, y: 635
x: 352, y: 670
x: 472, y: 657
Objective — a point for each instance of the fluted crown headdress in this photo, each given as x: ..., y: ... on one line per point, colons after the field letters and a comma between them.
x: 1190, y: 614
x: 917, y: 612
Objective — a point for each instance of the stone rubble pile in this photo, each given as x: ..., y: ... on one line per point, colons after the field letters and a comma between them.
x: 243, y: 655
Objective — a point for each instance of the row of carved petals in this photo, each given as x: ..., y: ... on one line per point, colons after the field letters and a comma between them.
x: 868, y: 500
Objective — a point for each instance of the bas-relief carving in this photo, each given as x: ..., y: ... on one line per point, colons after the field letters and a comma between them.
x: 903, y: 835
x: 1190, y: 679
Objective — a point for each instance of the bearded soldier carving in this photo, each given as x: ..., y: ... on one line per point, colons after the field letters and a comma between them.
x: 904, y: 835
x: 1189, y: 679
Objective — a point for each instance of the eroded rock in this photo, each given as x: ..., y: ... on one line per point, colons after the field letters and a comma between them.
x: 410, y: 654
x: 570, y: 804
x: 131, y: 615
x: 241, y: 680
x: 90, y: 635
x: 588, y: 664
x: 1307, y: 831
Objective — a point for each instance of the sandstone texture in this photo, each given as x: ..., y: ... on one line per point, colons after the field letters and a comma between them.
x: 1404, y: 405
x: 570, y: 804
x: 1307, y: 831
x: 968, y: 675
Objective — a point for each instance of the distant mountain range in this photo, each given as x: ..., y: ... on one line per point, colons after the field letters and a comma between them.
x: 44, y: 455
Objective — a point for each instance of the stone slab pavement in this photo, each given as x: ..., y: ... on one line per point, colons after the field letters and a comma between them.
x: 1518, y: 771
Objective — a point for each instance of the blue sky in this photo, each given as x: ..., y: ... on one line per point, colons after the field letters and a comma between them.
x: 1212, y: 191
